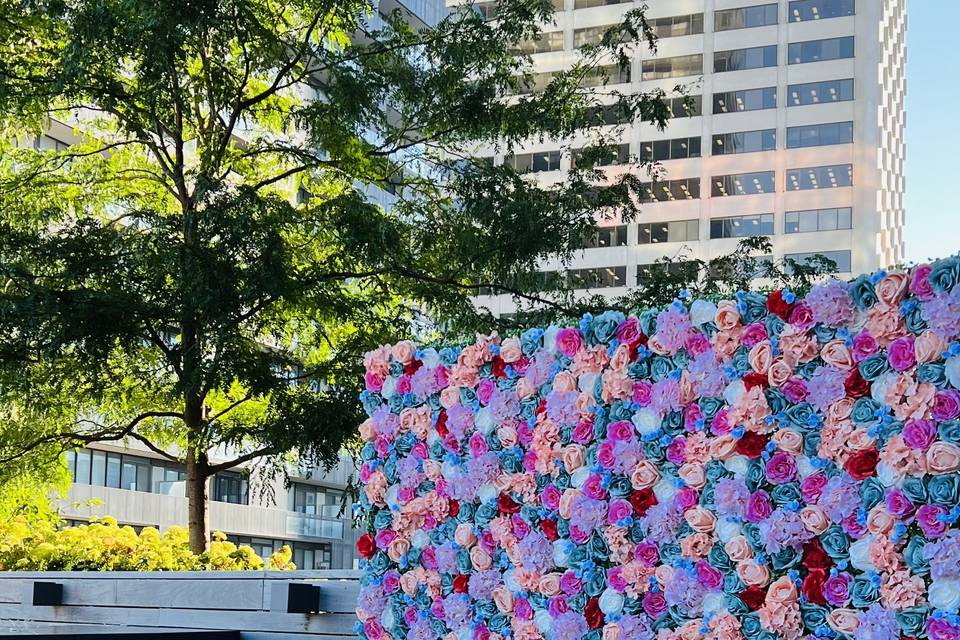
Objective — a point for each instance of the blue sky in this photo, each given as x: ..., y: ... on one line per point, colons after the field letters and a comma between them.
x: 933, y: 129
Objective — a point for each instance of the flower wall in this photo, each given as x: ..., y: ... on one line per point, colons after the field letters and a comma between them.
x: 762, y: 467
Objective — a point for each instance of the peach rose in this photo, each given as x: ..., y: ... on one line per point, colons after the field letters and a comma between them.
x: 503, y: 598
x: 403, y: 351
x: 449, y: 397
x: 664, y: 574
x: 693, y: 474
x: 753, y: 574
x: 738, y: 548
x: 525, y: 388
x: 480, y: 559
x: 727, y: 316
x: 859, y: 439
x: 700, y: 519
x: 398, y: 548
x: 416, y: 421
x: 760, y: 356
x: 464, y: 535
x: 409, y: 584
x: 367, y: 434
x: 815, y: 519
x: 943, y: 457
x: 722, y: 447
x: 573, y: 457
x: 782, y: 591
x: 779, y: 372
x: 644, y: 475
x: 836, y: 353
x: 611, y: 631
x: 564, y: 381
x: 566, y: 502
x: 432, y: 469
x: 843, y: 621
x: 549, y: 584
x: 840, y: 410
x: 928, y: 346
x: 510, y: 350
x: 891, y: 289
x: 789, y: 441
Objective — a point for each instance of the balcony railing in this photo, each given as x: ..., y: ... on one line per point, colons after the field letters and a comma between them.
x: 313, y: 526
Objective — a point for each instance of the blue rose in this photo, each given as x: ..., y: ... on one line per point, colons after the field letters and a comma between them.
x: 756, y: 474
x: 653, y: 450
x: 784, y: 560
x: 718, y: 557
x: 755, y: 307
x: 811, y: 444
x: 863, y: 294
x: 596, y: 584
x: 530, y: 342
x: 741, y: 361
x: 734, y: 604
x: 620, y: 486
x: 784, y: 494
x: 911, y: 621
x: 944, y: 274
x: 648, y: 321
x: 914, y: 488
x: 950, y: 431
x: 798, y: 416
x: 871, y: 493
x: 379, y: 563
x: 914, y: 321
x: 874, y: 366
x: 863, y: 592
x: 824, y: 334
x: 933, y: 373
x: 835, y: 542
x: 865, y: 411
x: 639, y: 370
x: 944, y: 489
x: 732, y: 584
x: 715, y: 471
x: 395, y: 403
x: 578, y: 602
x: 774, y: 324
x: 368, y: 452
x: 673, y: 423
x: 710, y: 406
x: 776, y: 400
x: 813, y: 616
x: 604, y: 327
x: 632, y: 606
x: 661, y: 367
x: 382, y: 519
x: 750, y: 627
x: 914, y: 557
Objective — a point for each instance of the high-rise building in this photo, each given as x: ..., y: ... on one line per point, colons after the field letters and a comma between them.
x: 796, y: 132
x: 141, y: 488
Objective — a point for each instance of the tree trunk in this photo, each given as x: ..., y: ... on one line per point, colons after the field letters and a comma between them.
x: 197, y: 501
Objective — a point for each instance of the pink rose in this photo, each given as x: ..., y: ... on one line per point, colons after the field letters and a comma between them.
x: 403, y: 351
x: 781, y: 468
x: 892, y: 288
x: 759, y: 507
x: 929, y: 347
x: 919, y: 434
x: 920, y: 282
x: 708, y: 575
x: 753, y: 334
x: 779, y: 372
x: 864, y: 346
x: 943, y: 457
x: 801, y: 316
x: 946, y: 406
x: 619, y: 509
x: 760, y: 356
x: 621, y: 431
x: 510, y: 350
x: 795, y: 390
x: 569, y: 341
x: 836, y: 353
x: 929, y: 520
x: 901, y: 353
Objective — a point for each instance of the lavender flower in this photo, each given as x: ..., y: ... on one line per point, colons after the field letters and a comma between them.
x: 537, y: 553
x: 482, y: 584
x: 459, y: 421
x: 825, y: 387
x: 783, y: 530
x: 504, y: 405
x: 730, y: 496
x: 839, y: 498
x: 562, y: 407
x: 635, y: 628
x: 673, y: 325
x: 707, y: 375
x: 944, y: 556
x: 831, y: 303
x: 424, y: 383
x: 661, y: 522
x: 942, y: 313
x: 588, y: 514
x: 457, y: 611
x: 685, y: 592
x: 372, y: 599
x: 665, y: 395
x: 446, y: 558
x: 569, y: 626
x: 877, y: 623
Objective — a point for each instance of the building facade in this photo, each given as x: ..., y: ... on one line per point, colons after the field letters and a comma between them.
x: 796, y: 132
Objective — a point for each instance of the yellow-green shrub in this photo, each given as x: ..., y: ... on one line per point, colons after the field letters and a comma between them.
x: 103, y: 545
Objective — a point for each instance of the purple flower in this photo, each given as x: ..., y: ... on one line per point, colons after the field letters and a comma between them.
x: 562, y: 408
x: 482, y: 584
x: 942, y: 313
x: 836, y: 589
x: 831, y: 303
x: 781, y: 468
x: 666, y: 395
x: 783, y: 530
x: 901, y: 353
x: 661, y: 522
x: 588, y: 513
x: 537, y: 553
x: 730, y: 496
x: 919, y: 434
x: 877, y: 623
x: 635, y: 628
x: 944, y: 556
x: 707, y: 375
x: 826, y: 387
x: 569, y: 626
x: 947, y: 405
x: 459, y: 421
x: 673, y: 325
x: 839, y: 498
x: 685, y: 592
x: 898, y: 504
x: 457, y: 611
x: 941, y: 629
x: 759, y: 507
x: 928, y: 518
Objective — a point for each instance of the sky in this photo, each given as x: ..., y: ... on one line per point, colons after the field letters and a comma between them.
x: 933, y: 129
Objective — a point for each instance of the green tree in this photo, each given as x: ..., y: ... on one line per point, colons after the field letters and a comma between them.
x: 203, y: 267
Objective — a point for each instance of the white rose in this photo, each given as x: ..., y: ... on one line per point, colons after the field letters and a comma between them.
x: 880, y: 386
x: 702, y: 311
x: 487, y: 493
x: 510, y: 581
x: 888, y: 476
x: 737, y: 465
x: 665, y: 490
x: 484, y: 421
x: 945, y: 595
x: 713, y: 603
x: 804, y: 468
x: 465, y: 633
x: 390, y: 497
x: 579, y: 477
x: 734, y: 391
x: 543, y: 621
x: 860, y: 554
x: 647, y: 421
x: 952, y: 369
x: 550, y: 338
x: 586, y: 382
x: 420, y: 539
x: 561, y: 553
x: 389, y: 387
x: 430, y: 357
x: 611, y: 601
x: 728, y: 529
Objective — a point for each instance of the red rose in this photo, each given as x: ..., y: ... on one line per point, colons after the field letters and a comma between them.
x: 411, y: 367
x: 460, y: 583
x: 507, y: 504
x: 755, y: 379
x: 499, y: 367
x: 593, y: 614
x: 454, y: 508
x: 815, y: 558
x: 753, y: 597
x: 752, y: 444
x: 642, y: 500
x: 777, y: 305
x: 549, y: 528
x: 862, y: 464
x: 366, y: 546
x: 520, y: 366
x: 813, y: 586
x: 542, y: 407
x: 441, y: 426
x: 855, y: 385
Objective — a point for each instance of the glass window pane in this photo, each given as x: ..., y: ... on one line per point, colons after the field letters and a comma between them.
x: 808, y: 221
x: 82, y: 475
x: 844, y: 218
x: 128, y: 479
x: 143, y: 477
x: 72, y: 464
x: 828, y: 220
x: 113, y: 470
x: 98, y: 470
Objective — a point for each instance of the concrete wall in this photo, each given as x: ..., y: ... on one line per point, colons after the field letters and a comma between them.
x: 226, y: 600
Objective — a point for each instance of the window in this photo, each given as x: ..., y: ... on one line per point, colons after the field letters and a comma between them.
x: 742, y: 184
x: 685, y: 107
x: 819, y: 135
x: 657, y: 150
x: 316, y: 501
x: 818, y: 220
x: 606, y: 74
x: 742, y: 226
x: 607, y: 114
x: 760, y: 15
x: 677, y: 25
x: 49, y: 143
x: 486, y: 8
x: 598, y: 278
x: 230, y: 486
x: 654, y: 269
x: 748, y: 266
x: 819, y: 92
x: 673, y: 67
x: 740, y: 59
x: 745, y: 100
x: 552, y: 41
x: 607, y: 237
x: 674, y: 231
x: 613, y: 155
x: 801, y: 10
x: 312, y: 556
x: 534, y: 162
x: 122, y: 471
x: 840, y: 258
x: 670, y: 190
x: 744, y: 142
x: 828, y: 177
x: 586, y: 4
x: 593, y: 35
x: 135, y: 474
x: 819, y: 50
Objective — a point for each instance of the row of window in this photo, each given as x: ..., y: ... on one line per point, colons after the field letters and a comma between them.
x: 723, y: 20
x: 806, y: 178
x: 136, y: 473
x: 306, y: 555
x: 730, y: 227
x: 679, y: 148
